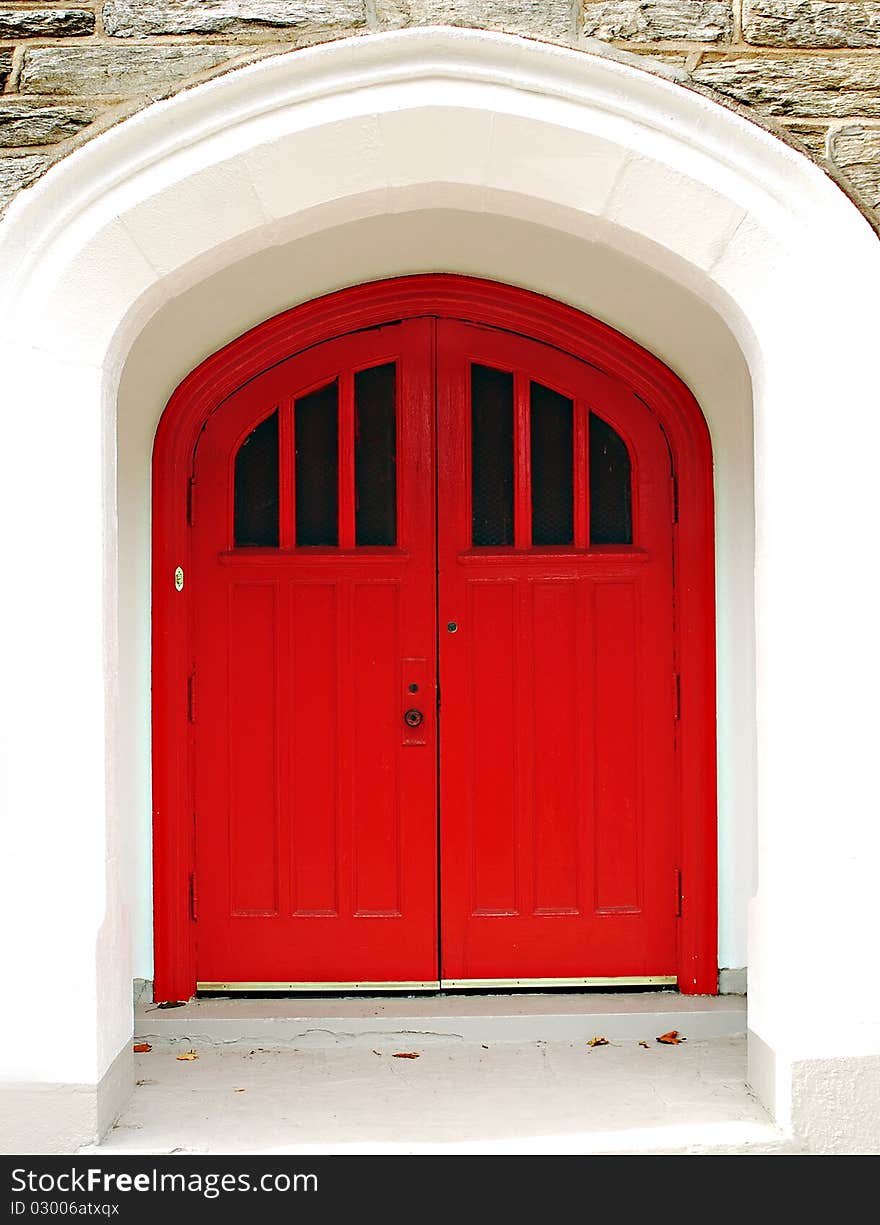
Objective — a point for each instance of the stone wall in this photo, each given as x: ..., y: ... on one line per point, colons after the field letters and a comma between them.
x: 807, y: 69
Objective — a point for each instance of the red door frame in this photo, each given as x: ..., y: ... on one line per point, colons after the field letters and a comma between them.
x: 496, y: 305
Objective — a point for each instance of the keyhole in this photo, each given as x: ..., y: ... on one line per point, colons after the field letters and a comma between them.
x: 413, y: 688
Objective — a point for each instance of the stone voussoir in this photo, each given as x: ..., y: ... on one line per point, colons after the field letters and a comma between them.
x: 23, y: 122
x: 812, y: 23
x: 818, y: 87
x: 142, y: 18
x: 652, y: 21
x: 45, y: 23
x: 541, y: 18
x: 856, y: 151
x: 120, y: 71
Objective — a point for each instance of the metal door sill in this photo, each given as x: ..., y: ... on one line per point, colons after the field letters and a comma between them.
x: 446, y: 984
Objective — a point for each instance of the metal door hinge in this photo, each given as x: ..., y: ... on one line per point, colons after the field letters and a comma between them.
x: 193, y: 901
x: 191, y: 697
x: 191, y: 500
x: 678, y: 893
x: 674, y: 498
x: 676, y: 695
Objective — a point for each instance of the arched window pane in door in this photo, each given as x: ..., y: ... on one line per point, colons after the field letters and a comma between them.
x: 610, y: 485
x: 256, y: 487
x: 375, y: 456
x: 552, y: 455
x: 491, y: 456
x: 316, y: 418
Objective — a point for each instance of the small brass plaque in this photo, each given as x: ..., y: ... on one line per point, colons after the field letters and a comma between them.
x: 178, y: 578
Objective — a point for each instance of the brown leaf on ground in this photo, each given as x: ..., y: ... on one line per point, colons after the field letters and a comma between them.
x: 379, y: 1053
x: 598, y: 1041
x: 671, y: 1039
x: 405, y: 1055
x: 239, y: 1090
x: 645, y: 1045
x: 188, y: 1055
x: 140, y: 1048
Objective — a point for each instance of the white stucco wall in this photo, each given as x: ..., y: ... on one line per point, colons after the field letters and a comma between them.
x: 664, y: 317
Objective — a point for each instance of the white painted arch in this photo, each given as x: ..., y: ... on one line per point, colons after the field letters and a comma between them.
x: 641, y: 185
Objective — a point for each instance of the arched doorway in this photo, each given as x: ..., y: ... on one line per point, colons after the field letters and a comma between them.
x: 433, y: 567
x: 143, y: 226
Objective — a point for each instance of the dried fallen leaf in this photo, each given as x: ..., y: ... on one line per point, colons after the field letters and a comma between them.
x: 379, y: 1053
x: 484, y: 1046
x: 671, y: 1039
x: 645, y: 1045
x: 239, y: 1090
x: 406, y: 1055
x: 141, y: 1048
x: 598, y: 1041
x: 188, y: 1055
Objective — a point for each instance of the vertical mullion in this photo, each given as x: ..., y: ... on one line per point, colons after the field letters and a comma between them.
x: 522, y: 473
x: 286, y: 476
x: 581, y: 475
x: 346, y: 461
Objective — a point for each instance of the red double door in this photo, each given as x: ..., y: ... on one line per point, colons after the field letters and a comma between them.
x: 433, y: 709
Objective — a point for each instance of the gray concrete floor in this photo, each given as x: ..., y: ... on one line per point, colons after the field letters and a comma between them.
x: 350, y: 1094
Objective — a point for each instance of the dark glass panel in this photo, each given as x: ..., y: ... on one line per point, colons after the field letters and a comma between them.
x: 375, y: 456
x: 256, y: 487
x: 492, y: 456
x: 552, y: 420
x: 610, y: 485
x: 316, y: 430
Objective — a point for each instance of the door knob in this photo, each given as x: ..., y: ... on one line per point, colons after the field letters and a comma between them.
x: 413, y: 717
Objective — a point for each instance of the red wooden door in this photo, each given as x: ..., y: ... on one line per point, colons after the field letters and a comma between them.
x: 313, y: 577
x: 321, y: 551
x: 556, y: 668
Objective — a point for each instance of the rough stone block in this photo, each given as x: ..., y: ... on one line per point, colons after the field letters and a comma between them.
x: 541, y: 18
x: 812, y: 23
x: 812, y: 137
x: 108, y: 71
x: 856, y: 150
x: 653, y: 21
x: 137, y: 18
x: 19, y: 172
x: 5, y: 66
x: 45, y: 23
x: 819, y: 87
x: 28, y: 123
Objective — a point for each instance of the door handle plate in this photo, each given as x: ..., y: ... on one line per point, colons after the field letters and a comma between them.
x: 417, y: 685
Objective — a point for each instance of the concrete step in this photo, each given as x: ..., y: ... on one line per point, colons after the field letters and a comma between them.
x: 531, y: 1017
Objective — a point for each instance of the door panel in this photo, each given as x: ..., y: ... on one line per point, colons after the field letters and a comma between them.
x: 315, y: 815
x: 557, y: 739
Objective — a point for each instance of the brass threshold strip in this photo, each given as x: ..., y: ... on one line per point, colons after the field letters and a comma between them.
x: 639, y: 980
x: 320, y: 986
x: 446, y: 984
